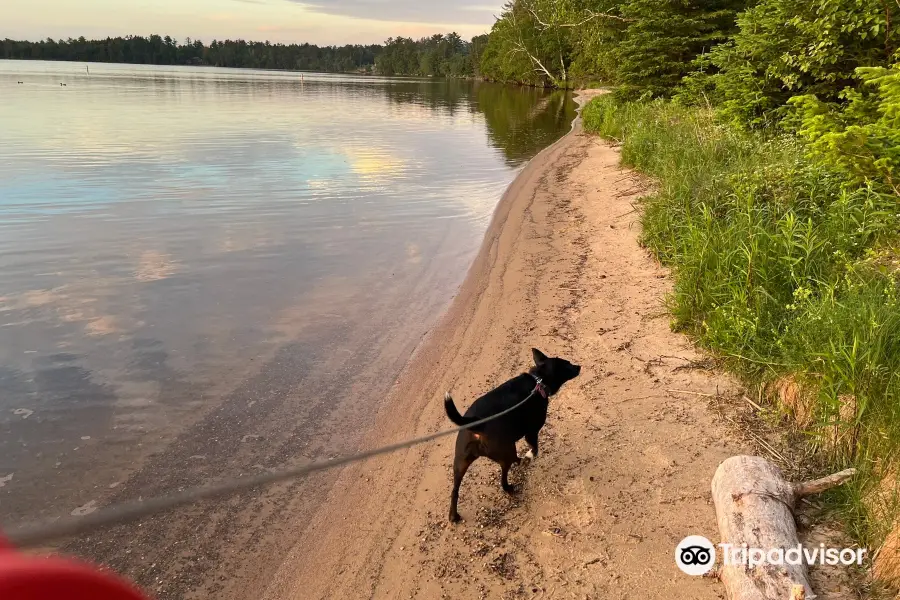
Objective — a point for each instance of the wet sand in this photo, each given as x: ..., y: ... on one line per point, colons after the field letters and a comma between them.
x: 625, y: 462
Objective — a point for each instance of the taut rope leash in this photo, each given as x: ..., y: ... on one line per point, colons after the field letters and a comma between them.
x: 40, y: 533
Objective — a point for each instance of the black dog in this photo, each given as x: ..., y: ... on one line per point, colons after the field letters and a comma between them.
x: 497, y: 439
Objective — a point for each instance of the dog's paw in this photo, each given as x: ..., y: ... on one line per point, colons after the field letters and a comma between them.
x: 455, y: 518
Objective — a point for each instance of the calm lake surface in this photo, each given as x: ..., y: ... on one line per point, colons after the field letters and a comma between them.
x: 206, y: 272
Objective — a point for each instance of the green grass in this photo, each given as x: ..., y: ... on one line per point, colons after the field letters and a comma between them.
x: 781, y: 267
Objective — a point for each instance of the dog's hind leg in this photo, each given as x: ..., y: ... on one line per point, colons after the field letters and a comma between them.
x: 532, y: 440
x: 508, y: 460
x: 461, y: 464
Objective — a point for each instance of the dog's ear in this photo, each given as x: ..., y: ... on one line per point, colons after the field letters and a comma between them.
x: 539, y: 357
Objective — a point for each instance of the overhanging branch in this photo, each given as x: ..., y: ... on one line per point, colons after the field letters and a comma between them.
x: 591, y: 16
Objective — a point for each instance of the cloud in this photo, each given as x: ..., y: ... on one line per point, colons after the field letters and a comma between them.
x: 474, y: 8
x: 410, y: 11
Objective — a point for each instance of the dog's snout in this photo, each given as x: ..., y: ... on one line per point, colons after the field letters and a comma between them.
x: 577, y: 370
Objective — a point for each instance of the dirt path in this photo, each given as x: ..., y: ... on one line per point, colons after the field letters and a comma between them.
x: 626, y: 462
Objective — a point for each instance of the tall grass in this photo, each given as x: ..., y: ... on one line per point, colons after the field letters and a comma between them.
x: 785, y: 270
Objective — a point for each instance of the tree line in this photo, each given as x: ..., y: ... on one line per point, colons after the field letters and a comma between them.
x: 826, y: 70
x: 434, y: 56
x: 164, y: 50
x: 439, y: 55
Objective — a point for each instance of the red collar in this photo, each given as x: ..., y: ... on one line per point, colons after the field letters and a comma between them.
x: 539, y: 387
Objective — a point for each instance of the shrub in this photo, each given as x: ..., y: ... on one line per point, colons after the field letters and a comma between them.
x: 861, y: 136
x: 785, y: 48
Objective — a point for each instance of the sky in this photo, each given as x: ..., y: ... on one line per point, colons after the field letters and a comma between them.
x: 322, y: 22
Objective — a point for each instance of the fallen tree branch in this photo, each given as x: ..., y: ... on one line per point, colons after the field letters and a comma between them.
x: 691, y: 393
x: 817, y: 486
x: 754, y: 509
x: 753, y: 404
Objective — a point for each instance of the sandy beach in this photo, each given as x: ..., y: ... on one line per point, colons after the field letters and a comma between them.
x: 626, y: 458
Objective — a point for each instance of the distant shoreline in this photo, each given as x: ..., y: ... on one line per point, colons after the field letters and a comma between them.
x: 275, y: 70
x: 201, y: 65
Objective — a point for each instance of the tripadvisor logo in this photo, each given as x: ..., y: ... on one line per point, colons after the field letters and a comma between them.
x: 696, y: 555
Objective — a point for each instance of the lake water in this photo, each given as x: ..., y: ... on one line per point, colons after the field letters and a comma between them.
x: 206, y: 272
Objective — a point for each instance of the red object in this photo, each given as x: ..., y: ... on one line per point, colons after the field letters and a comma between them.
x: 25, y: 577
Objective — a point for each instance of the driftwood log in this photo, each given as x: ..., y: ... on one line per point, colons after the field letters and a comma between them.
x: 755, y: 506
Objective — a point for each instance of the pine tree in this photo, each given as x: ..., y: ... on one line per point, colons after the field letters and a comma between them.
x: 663, y: 38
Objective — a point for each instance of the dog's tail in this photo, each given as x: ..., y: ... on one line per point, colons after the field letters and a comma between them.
x: 453, y: 414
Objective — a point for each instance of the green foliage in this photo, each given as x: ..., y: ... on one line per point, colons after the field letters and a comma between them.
x: 476, y: 50
x: 529, y: 44
x: 785, y: 48
x: 435, y: 56
x: 503, y: 59
x: 643, y: 46
x: 782, y: 265
x: 662, y: 39
x: 860, y: 136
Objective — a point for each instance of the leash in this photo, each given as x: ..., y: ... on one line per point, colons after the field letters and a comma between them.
x: 31, y: 535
